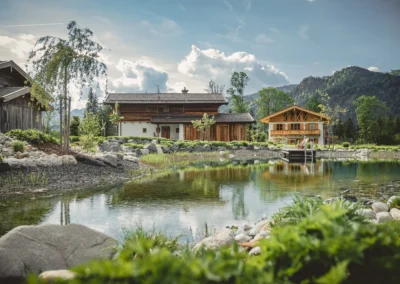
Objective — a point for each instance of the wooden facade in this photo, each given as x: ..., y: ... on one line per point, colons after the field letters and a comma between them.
x: 292, y: 124
x: 171, y: 114
x: 17, y: 109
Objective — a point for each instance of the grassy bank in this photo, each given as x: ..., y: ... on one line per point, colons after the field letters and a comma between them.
x: 179, y: 159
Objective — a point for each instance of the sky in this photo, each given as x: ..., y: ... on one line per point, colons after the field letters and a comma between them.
x: 171, y: 44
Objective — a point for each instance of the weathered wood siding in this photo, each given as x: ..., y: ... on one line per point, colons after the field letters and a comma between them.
x: 132, y: 112
x: 218, y: 132
x: 295, y: 116
x: 20, y: 113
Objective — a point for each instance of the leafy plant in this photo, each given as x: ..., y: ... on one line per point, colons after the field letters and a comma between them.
x: 239, y: 81
x: 346, y: 144
x: 203, y: 125
x: 32, y: 136
x: 1, y: 158
x: 74, y: 126
x: 18, y: 146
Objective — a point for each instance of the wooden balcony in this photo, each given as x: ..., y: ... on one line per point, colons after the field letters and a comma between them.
x: 294, y: 132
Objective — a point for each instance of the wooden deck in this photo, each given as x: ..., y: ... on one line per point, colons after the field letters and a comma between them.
x: 291, y: 154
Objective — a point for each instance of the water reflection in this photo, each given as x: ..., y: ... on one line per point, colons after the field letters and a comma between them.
x: 208, y: 195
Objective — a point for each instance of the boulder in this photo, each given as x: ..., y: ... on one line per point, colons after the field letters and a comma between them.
x: 367, y: 213
x: 383, y: 217
x: 222, y: 148
x: 89, y: 160
x: 261, y: 226
x: 395, y: 213
x: 132, y: 159
x: 174, y: 148
x: 27, y: 249
x: 250, y: 147
x: 246, y: 227
x: 49, y: 161
x: 197, y: 148
x: 241, y: 238
x: 144, y: 151
x: 20, y: 163
x: 223, y: 238
x: 111, y: 160
x: 3, y: 138
x: 380, y: 207
x: 159, y: 149
x: 206, y: 148
x: 154, y: 141
x: 68, y: 160
x: 392, y: 199
x: 255, y: 251
x: 110, y: 146
x: 121, y: 140
x: 151, y: 147
x: 20, y: 155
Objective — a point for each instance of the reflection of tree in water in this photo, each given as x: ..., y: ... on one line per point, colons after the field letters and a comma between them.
x: 64, y: 212
x: 238, y: 205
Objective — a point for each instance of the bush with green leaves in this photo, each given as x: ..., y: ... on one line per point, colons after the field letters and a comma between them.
x: 323, y: 243
x: 73, y: 138
x: 134, y: 146
x: 18, y: 146
x: 346, y: 144
x: 89, y: 129
x: 32, y: 136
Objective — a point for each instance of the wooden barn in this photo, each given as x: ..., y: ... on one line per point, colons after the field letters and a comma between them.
x: 17, y: 108
x: 170, y: 115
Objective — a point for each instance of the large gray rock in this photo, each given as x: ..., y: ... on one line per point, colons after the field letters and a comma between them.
x: 159, y: 149
x: 132, y: 159
x: 20, y: 163
x: 111, y: 159
x: 151, y: 147
x: 380, y: 207
x: 223, y: 238
x: 49, y: 161
x: 27, y: 249
x: 206, y: 148
x: 383, y: 217
x: 260, y: 227
x: 175, y: 148
x: 89, y: 160
x: 144, y: 151
x: 110, y: 146
x: 367, y: 213
x: 395, y: 213
x: 198, y: 148
x: 242, y: 238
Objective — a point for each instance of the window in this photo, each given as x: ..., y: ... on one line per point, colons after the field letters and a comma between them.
x: 295, y: 126
x: 144, y: 130
x: 311, y: 126
x: 279, y: 127
x: 177, y: 130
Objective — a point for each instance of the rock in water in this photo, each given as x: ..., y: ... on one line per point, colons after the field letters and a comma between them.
x: 40, y: 248
x: 260, y: 227
x: 223, y: 238
x: 241, y: 238
x: 383, y: 217
x: 367, y: 213
x: 380, y: 207
x: 395, y: 213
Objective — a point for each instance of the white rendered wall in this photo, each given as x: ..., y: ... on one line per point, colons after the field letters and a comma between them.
x: 136, y: 129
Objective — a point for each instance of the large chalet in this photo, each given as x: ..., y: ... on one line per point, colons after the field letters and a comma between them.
x: 18, y: 110
x: 292, y: 124
x: 170, y: 115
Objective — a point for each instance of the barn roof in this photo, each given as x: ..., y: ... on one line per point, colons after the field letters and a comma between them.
x: 165, y: 98
x: 9, y: 93
x: 219, y: 118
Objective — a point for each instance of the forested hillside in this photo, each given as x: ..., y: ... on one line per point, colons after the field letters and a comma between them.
x: 350, y: 83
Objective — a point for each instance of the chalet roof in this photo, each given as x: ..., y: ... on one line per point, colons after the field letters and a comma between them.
x: 165, y: 98
x: 12, y: 64
x: 219, y: 118
x: 267, y: 118
x: 10, y: 93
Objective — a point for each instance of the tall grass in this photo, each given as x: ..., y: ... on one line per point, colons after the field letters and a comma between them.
x: 177, y: 159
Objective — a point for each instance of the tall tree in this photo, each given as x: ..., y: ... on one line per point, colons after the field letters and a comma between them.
x: 214, y: 88
x: 57, y: 62
x: 338, y: 129
x: 92, y: 104
x: 368, y: 109
x: 272, y: 100
x: 314, y: 104
x: 350, y: 131
x: 239, y: 82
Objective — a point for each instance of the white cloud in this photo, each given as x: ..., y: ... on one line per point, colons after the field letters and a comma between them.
x: 19, y: 45
x: 139, y: 76
x: 213, y: 64
x: 303, y: 32
x: 373, y: 69
x: 167, y: 27
x: 227, y: 3
x: 263, y: 39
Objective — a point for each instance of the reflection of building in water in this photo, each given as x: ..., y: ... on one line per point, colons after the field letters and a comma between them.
x: 302, y: 171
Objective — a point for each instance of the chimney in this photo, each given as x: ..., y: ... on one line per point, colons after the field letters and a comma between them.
x: 185, y: 91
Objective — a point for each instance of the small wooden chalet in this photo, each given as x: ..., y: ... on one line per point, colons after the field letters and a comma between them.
x: 292, y: 124
x: 17, y: 108
x: 170, y: 115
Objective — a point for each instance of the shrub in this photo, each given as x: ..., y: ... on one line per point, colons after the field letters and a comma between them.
x: 395, y: 203
x: 134, y: 146
x: 18, y: 146
x: 1, y: 158
x: 74, y: 126
x: 346, y: 144
x: 32, y: 136
x: 74, y: 138
x: 88, y: 143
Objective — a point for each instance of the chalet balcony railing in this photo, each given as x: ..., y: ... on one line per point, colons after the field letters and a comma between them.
x: 295, y: 132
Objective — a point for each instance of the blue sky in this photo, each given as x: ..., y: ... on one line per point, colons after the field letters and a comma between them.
x: 174, y: 43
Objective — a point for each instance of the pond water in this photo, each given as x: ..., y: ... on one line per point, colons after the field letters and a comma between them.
x: 205, y: 197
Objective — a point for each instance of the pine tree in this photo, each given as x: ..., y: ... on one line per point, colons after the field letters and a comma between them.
x: 350, y: 131
x: 92, y: 105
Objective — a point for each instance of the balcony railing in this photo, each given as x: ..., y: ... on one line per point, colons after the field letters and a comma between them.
x: 295, y: 132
